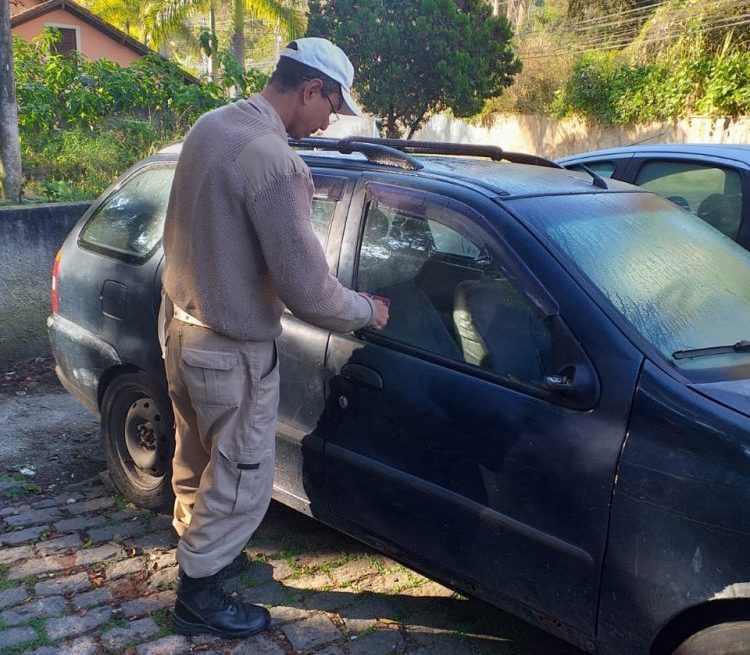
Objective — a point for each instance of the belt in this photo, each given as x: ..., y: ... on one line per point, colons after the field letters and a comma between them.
x: 182, y: 315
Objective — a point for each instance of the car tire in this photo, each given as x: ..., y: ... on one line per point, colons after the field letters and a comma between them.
x: 723, y: 639
x: 137, y: 427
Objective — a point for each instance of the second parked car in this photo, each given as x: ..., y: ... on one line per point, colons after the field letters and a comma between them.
x: 711, y: 181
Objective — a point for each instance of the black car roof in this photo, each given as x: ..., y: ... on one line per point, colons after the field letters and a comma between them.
x: 506, y: 179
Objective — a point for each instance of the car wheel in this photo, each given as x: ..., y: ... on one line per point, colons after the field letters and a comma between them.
x: 138, y: 438
x: 723, y: 639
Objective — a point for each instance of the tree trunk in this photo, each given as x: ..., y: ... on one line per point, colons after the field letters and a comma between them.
x: 238, y: 32
x: 10, y: 150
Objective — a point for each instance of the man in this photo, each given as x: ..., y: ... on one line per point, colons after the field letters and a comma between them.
x: 239, y: 242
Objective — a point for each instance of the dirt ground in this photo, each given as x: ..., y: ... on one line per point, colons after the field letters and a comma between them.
x: 47, y: 438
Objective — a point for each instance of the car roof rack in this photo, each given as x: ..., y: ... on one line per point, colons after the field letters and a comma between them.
x: 396, y: 152
x: 376, y: 153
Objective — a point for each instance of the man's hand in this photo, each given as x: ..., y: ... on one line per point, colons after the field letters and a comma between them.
x: 381, y: 315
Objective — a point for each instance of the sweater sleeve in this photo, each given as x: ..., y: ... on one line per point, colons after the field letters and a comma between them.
x: 281, y: 215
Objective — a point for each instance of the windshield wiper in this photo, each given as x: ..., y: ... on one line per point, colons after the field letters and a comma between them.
x: 739, y: 347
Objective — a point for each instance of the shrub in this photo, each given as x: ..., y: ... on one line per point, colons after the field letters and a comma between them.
x: 82, y: 122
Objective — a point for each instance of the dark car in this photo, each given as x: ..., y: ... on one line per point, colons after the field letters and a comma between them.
x: 711, y: 181
x: 556, y: 418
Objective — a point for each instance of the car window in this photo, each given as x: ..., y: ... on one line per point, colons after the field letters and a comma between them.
x: 602, y: 168
x: 710, y: 192
x: 447, y: 295
x: 129, y: 224
x: 328, y: 191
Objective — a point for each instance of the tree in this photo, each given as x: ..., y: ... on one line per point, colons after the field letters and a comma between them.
x: 10, y: 151
x: 416, y: 58
x: 167, y: 15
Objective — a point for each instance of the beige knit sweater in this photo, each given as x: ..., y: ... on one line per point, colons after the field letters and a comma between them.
x: 238, y: 236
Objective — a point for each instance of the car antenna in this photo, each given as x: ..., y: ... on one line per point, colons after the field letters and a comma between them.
x: 597, y: 179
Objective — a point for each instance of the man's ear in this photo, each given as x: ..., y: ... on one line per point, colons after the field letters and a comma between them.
x: 310, y: 89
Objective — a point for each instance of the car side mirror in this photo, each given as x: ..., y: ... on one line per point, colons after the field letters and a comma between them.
x: 572, y: 379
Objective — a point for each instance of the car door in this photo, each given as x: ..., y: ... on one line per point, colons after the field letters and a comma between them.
x: 301, y: 349
x: 709, y: 187
x: 444, y: 445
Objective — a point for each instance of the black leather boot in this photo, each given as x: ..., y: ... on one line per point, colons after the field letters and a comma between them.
x: 235, y: 567
x: 202, y: 607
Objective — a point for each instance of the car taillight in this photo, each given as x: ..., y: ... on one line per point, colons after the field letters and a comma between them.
x: 55, y: 275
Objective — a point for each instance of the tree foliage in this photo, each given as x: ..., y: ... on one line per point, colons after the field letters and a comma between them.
x: 415, y: 58
x: 83, y: 122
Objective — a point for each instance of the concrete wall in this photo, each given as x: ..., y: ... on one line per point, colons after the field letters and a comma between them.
x: 552, y: 138
x: 29, y: 239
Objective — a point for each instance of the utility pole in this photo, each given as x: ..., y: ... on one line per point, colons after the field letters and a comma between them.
x: 10, y: 149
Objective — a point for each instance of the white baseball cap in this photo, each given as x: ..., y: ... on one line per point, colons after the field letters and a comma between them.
x: 328, y: 58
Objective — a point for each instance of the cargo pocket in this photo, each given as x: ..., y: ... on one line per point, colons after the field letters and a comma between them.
x: 240, y: 483
x: 212, y: 377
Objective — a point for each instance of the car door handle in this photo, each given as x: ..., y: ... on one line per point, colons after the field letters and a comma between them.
x: 362, y: 375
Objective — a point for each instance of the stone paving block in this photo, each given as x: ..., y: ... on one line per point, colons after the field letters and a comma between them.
x: 440, y: 640
x: 9, y: 555
x: 63, y: 585
x: 12, y: 596
x: 59, y: 544
x: 269, y: 594
x: 315, y: 631
x: 78, y: 523
x: 281, y: 614
x: 116, y: 532
x: 98, y: 554
x: 172, y: 645
x: 148, y: 604
x: 34, y: 517
x: 354, y: 570
x: 16, y: 509
x: 94, y: 505
x: 92, y: 598
x: 16, y: 636
x: 163, y: 578
x: 154, y: 541
x: 39, y: 608
x: 258, y: 645
x: 380, y: 642
x: 329, y: 601
x: 82, y: 646
x: 36, y: 567
x: 72, y: 626
x: 159, y: 522
x: 126, y: 567
x: 135, y: 631
x: 159, y: 561
x: 367, y: 612
x: 55, y: 501
x: 18, y: 537
x: 331, y: 650
x: 128, y: 514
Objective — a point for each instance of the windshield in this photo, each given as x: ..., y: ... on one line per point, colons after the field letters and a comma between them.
x: 678, y: 281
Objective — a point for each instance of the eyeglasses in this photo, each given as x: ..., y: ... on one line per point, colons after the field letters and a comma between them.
x: 334, y: 114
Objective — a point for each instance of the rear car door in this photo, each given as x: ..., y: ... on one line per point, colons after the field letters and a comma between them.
x: 444, y: 445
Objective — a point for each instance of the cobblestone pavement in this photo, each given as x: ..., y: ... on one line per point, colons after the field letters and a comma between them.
x: 82, y: 573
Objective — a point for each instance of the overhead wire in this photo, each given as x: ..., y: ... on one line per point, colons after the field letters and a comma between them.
x: 727, y: 22
x: 621, y: 38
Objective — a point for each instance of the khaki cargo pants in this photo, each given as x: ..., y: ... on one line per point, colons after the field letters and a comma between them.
x: 225, y: 395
